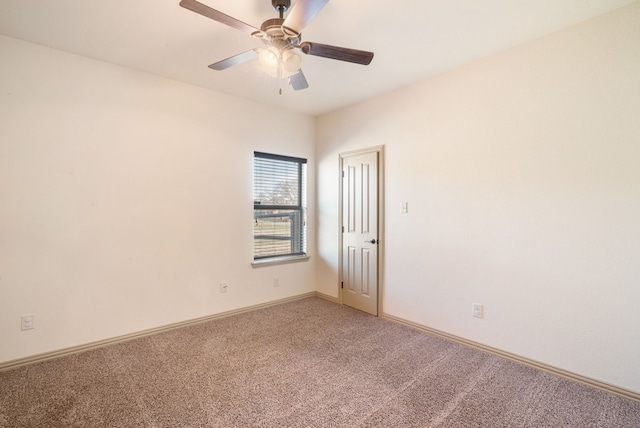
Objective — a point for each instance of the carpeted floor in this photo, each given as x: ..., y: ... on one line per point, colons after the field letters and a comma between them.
x: 308, y: 363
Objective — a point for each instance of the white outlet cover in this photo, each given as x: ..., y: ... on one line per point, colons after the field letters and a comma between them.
x: 27, y: 322
x: 478, y: 310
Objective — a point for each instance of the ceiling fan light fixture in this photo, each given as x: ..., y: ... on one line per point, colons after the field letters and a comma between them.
x: 269, y: 60
x: 279, y: 63
x: 291, y: 62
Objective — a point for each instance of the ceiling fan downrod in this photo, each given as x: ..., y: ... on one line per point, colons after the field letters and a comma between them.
x: 281, y: 6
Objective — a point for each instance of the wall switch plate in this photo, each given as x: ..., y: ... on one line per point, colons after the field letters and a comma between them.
x: 404, y: 208
x: 478, y: 310
x: 27, y: 322
x: 224, y: 287
x: 276, y: 282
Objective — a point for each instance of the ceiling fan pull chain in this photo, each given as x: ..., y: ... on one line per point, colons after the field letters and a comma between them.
x: 279, y: 72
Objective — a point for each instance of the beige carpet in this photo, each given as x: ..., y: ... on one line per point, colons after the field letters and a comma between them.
x: 308, y: 363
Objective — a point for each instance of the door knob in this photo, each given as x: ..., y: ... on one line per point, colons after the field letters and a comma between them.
x: 373, y: 241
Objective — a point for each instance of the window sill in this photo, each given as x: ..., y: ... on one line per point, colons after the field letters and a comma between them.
x: 279, y: 261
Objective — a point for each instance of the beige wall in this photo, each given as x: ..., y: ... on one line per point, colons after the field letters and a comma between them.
x: 522, y: 174
x: 125, y: 199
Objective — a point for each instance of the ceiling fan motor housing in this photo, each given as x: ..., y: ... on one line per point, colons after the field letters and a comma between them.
x: 273, y: 33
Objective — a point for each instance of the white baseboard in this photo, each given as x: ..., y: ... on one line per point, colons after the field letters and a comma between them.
x: 327, y: 297
x: 100, y: 343
x: 626, y: 393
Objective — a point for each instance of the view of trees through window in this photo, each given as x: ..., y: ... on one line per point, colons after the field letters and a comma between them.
x: 279, y: 205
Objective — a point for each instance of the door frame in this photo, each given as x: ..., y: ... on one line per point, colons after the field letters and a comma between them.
x: 379, y: 150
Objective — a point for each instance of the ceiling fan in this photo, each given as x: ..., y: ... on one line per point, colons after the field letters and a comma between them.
x: 281, y: 37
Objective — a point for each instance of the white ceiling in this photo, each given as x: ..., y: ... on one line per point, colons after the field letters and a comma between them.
x: 411, y: 40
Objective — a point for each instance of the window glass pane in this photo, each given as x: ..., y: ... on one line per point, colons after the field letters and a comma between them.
x: 277, y: 232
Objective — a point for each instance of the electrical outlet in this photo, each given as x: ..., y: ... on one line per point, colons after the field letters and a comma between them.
x: 224, y: 287
x: 27, y: 322
x: 276, y: 282
x: 478, y: 310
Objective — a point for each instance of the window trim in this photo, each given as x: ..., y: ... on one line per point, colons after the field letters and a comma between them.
x: 300, y: 241
x: 279, y: 260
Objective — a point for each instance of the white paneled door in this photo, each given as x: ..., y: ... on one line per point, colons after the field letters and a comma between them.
x: 360, y: 231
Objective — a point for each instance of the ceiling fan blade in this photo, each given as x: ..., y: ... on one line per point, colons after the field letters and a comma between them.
x: 335, y: 52
x: 302, y: 13
x: 234, y: 60
x: 209, y: 12
x: 298, y: 81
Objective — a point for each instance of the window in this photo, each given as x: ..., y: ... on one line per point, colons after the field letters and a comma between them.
x: 279, y: 206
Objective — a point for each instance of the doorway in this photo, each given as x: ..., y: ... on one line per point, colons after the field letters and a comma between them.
x: 361, y: 221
